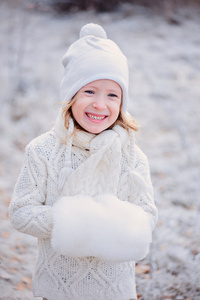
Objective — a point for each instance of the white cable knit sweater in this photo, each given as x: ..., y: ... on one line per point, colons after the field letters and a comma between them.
x: 93, y: 226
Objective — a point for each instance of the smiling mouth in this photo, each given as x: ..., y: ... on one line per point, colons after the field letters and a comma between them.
x: 95, y: 117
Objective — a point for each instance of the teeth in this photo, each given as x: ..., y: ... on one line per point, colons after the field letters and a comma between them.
x: 95, y: 117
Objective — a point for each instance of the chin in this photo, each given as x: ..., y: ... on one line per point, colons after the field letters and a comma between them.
x: 95, y: 131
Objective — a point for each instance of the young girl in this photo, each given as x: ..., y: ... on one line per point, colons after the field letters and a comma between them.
x: 84, y: 190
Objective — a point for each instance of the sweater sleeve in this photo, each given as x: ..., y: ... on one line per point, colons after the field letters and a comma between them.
x: 141, y: 186
x: 28, y: 212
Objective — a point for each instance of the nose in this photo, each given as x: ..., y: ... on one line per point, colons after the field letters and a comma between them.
x: 99, y: 103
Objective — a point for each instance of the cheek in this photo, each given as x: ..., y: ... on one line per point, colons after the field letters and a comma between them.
x: 75, y: 111
x: 115, y: 109
x: 78, y: 112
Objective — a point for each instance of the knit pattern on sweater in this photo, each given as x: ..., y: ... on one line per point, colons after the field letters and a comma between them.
x: 58, y: 276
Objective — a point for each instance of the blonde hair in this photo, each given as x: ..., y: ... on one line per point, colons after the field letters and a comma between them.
x: 124, y: 119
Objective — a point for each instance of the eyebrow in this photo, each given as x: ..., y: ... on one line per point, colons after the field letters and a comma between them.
x: 88, y: 86
x: 118, y: 93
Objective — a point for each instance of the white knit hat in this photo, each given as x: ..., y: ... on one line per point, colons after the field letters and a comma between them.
x: 90, y: 58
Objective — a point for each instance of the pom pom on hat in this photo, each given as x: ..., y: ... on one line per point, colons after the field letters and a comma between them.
x: 93, y: 57
x: 93, y: 29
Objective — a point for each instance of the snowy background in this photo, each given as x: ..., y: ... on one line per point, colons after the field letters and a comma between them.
x: 164, y: 60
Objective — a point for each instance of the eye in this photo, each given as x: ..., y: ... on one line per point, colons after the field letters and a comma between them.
x: 89, y: 92
x: 113, y: 95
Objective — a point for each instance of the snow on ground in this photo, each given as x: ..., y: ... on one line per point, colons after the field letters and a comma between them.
x: 164, y: 60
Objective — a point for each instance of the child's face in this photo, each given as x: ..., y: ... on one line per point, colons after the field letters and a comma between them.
x: 97, y: 105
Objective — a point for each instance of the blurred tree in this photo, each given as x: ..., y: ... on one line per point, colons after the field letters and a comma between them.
x: 99, y: 5
x: 65, y: 5
x: 110, y: 5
